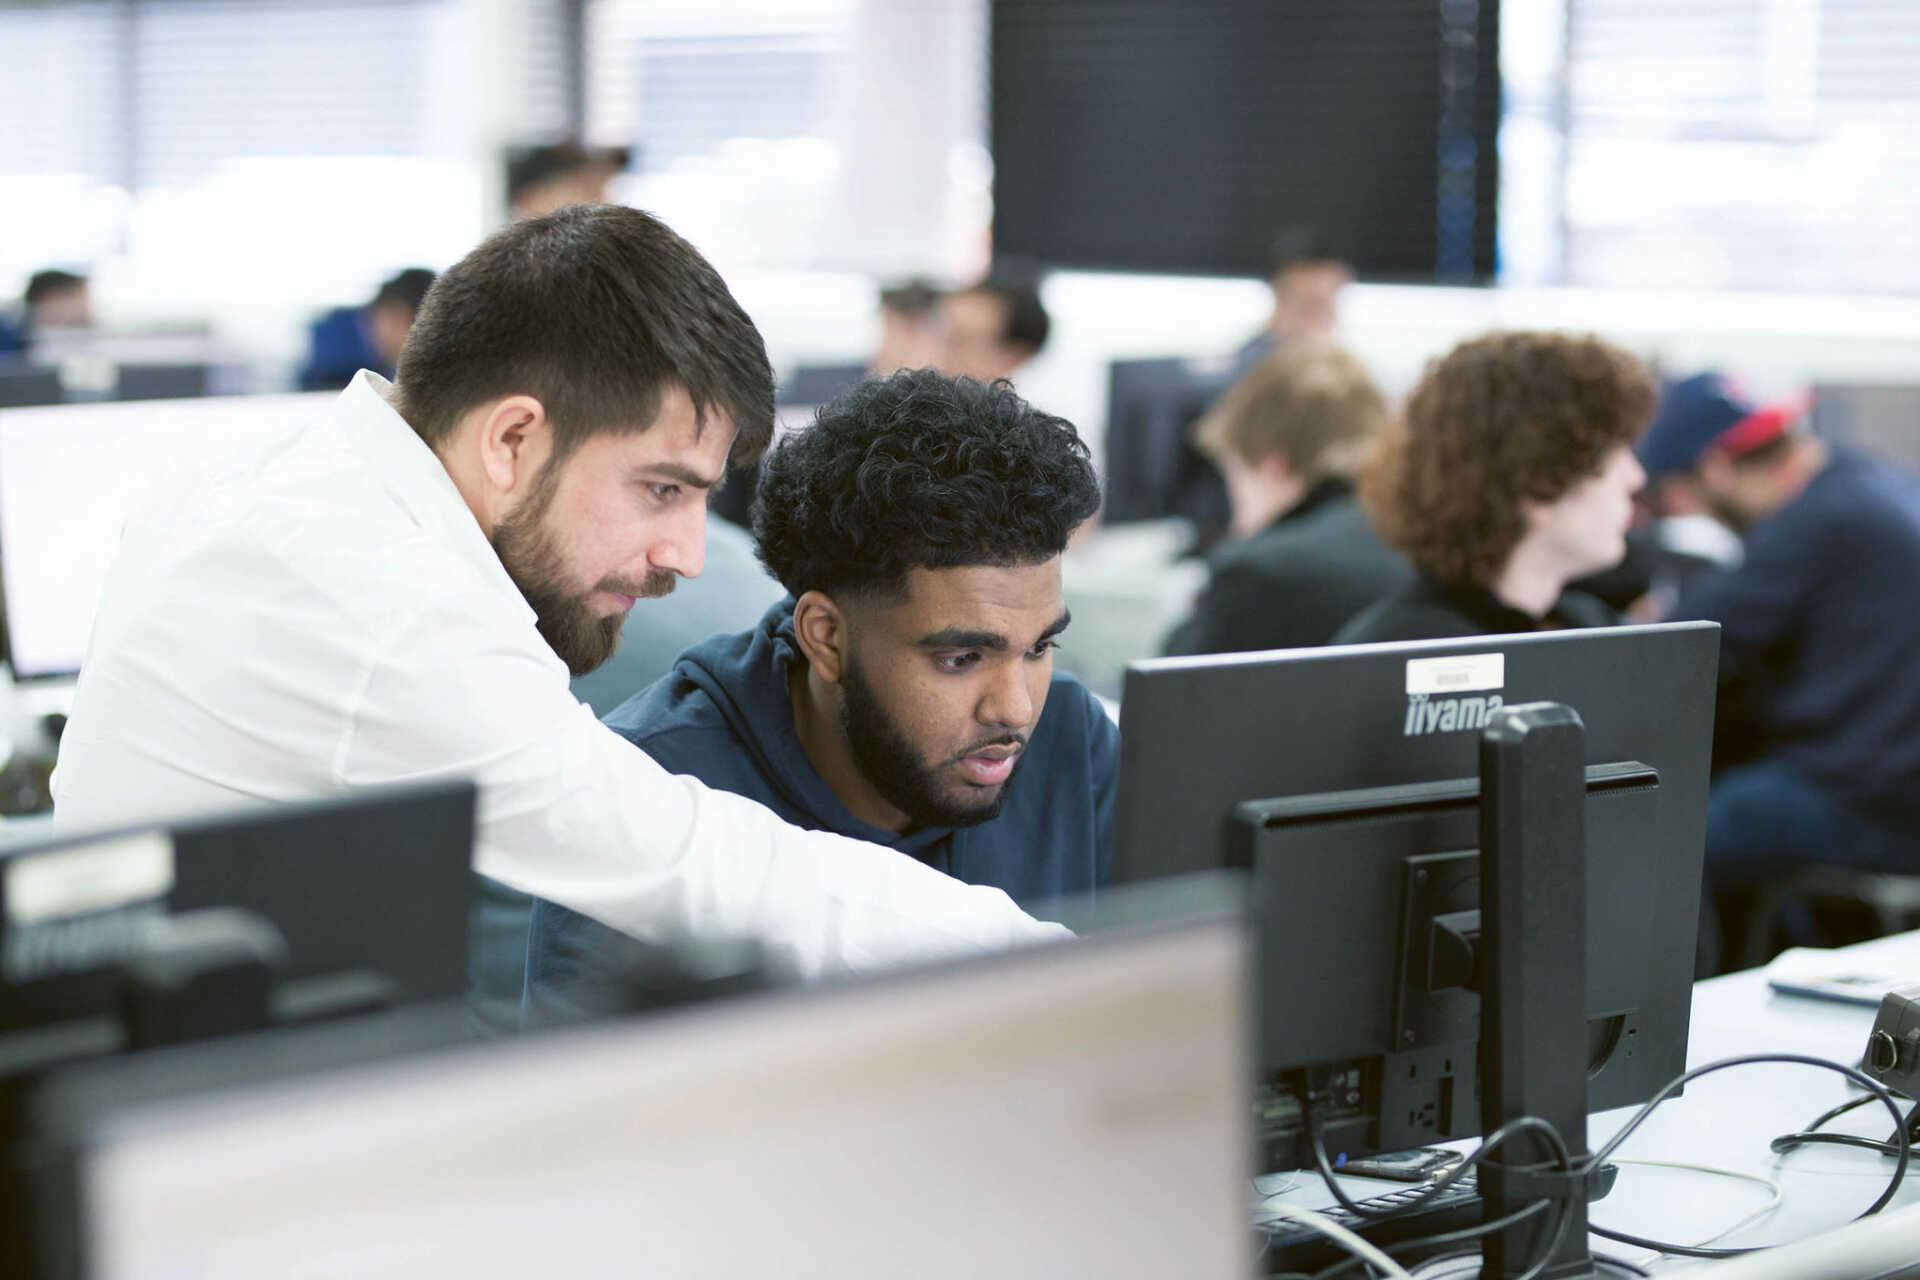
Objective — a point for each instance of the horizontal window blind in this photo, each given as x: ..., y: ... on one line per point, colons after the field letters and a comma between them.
x: 60, y: 91
x: 1745, y: 144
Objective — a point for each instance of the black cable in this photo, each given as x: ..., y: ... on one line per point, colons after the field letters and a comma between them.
x: 1324, y: 1162
x: 1788, y: 1142
x: 1834, y: 1113
x: 1622, y: 1263
x: 1563, y: 1162
x: 1444, y: 1238
x: 1902, y: 1149
x: 1810, y: 1136
x: 1440, y: 1240
x: 1562, y: 1210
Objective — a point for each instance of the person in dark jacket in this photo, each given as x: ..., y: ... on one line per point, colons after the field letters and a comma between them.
x: 346, y: 340
x: 1510, y: 474
x: 1817, y: 736
x: 904, y: 692
x: 1289, y: 438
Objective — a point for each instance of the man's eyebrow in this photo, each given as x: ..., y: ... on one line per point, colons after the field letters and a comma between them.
x: 679, y: 474
x: 961, y: 638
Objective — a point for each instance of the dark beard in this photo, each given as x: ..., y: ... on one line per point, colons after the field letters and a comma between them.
x: 565, y: 619
x: 895, y: 768
x: 1727, y: 514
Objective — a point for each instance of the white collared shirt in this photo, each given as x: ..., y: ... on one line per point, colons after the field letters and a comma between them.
x: 329, y: 615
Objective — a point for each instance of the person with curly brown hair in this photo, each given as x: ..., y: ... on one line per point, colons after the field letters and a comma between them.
x: 1510, y: 474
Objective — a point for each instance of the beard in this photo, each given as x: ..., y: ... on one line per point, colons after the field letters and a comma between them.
x: 896, y: 768
x: 530, y: 553
x: 1727, y: 512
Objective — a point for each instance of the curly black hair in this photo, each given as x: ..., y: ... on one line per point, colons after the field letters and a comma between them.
x: 919, y: 470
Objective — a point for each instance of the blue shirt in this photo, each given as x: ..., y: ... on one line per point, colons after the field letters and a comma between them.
x: 724, y: 715
x: 1820, y: 639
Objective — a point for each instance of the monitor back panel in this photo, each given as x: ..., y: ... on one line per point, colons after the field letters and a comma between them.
x: 1201, y: 736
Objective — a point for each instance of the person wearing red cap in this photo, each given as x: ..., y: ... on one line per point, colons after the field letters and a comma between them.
x: 1817, y: 746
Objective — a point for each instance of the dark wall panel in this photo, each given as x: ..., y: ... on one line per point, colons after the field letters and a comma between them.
x: 1182, y: 135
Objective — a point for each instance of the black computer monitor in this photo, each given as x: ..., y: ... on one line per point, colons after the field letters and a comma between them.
x: 370, y: 893
x: 1347, y: 781
x: 819, y: 383
x: 164, y: 381
x: 1152, y: 469
x: 23, y: 384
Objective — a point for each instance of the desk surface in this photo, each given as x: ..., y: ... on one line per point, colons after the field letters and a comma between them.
x: 1728, y: 1118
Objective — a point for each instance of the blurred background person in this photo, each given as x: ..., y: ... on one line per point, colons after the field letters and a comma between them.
x: 53, y: 299
x: 1289, y: 438
x: 1308, y: 274
x: 58, y: 300
x: 544, y: 178
x: 993, y: 328
x: 1817, y: 733
x: 911, y: 335
x: 1510, y: 474
x: 348, y: 339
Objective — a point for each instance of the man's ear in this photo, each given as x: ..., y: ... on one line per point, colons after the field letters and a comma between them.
x: 515, y: 441
x: 820, y: 628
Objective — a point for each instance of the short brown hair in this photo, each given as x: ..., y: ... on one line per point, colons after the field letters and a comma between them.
x: 1499, y: 422
x: 1310, y: 404
x: 595, y: 311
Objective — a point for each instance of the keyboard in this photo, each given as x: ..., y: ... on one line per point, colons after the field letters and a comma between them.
x: 1295, y: 1246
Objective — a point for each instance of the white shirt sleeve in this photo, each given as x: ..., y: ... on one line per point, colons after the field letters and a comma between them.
x: 572, y: 812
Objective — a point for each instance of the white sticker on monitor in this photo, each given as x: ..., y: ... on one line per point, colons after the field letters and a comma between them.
x: 87, y: 878
x: 1465, y: 673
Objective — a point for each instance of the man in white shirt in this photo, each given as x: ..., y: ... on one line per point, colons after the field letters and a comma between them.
x: 399, y: 592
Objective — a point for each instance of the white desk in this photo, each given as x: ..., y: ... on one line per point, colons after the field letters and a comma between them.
x: 1728, y: 1118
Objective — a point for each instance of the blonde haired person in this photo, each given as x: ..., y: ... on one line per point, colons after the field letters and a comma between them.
x: 1289, y: 439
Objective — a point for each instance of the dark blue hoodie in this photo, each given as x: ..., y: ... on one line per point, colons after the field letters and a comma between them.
x: 1820, y: 639
x: 724, y: 715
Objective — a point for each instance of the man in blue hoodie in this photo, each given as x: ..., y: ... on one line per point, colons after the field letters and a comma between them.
x: 897, y: 694
x: 1817, y: 736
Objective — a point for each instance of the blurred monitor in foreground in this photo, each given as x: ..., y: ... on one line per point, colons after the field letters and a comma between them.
x: 1070, y: 1109
x: 164, y: 941
x: 367, y: 893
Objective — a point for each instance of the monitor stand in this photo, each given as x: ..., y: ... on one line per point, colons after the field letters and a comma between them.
x: 1532, y: 970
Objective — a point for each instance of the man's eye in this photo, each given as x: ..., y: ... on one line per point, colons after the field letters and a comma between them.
x: 1042, y: 649
x: 958, y: 661
x: 664, y: 492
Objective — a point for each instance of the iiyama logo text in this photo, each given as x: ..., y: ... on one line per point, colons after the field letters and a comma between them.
x: 1445, y: 715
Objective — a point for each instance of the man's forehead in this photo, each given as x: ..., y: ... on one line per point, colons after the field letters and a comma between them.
x: 992, y: 597
x: 678, y: 438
